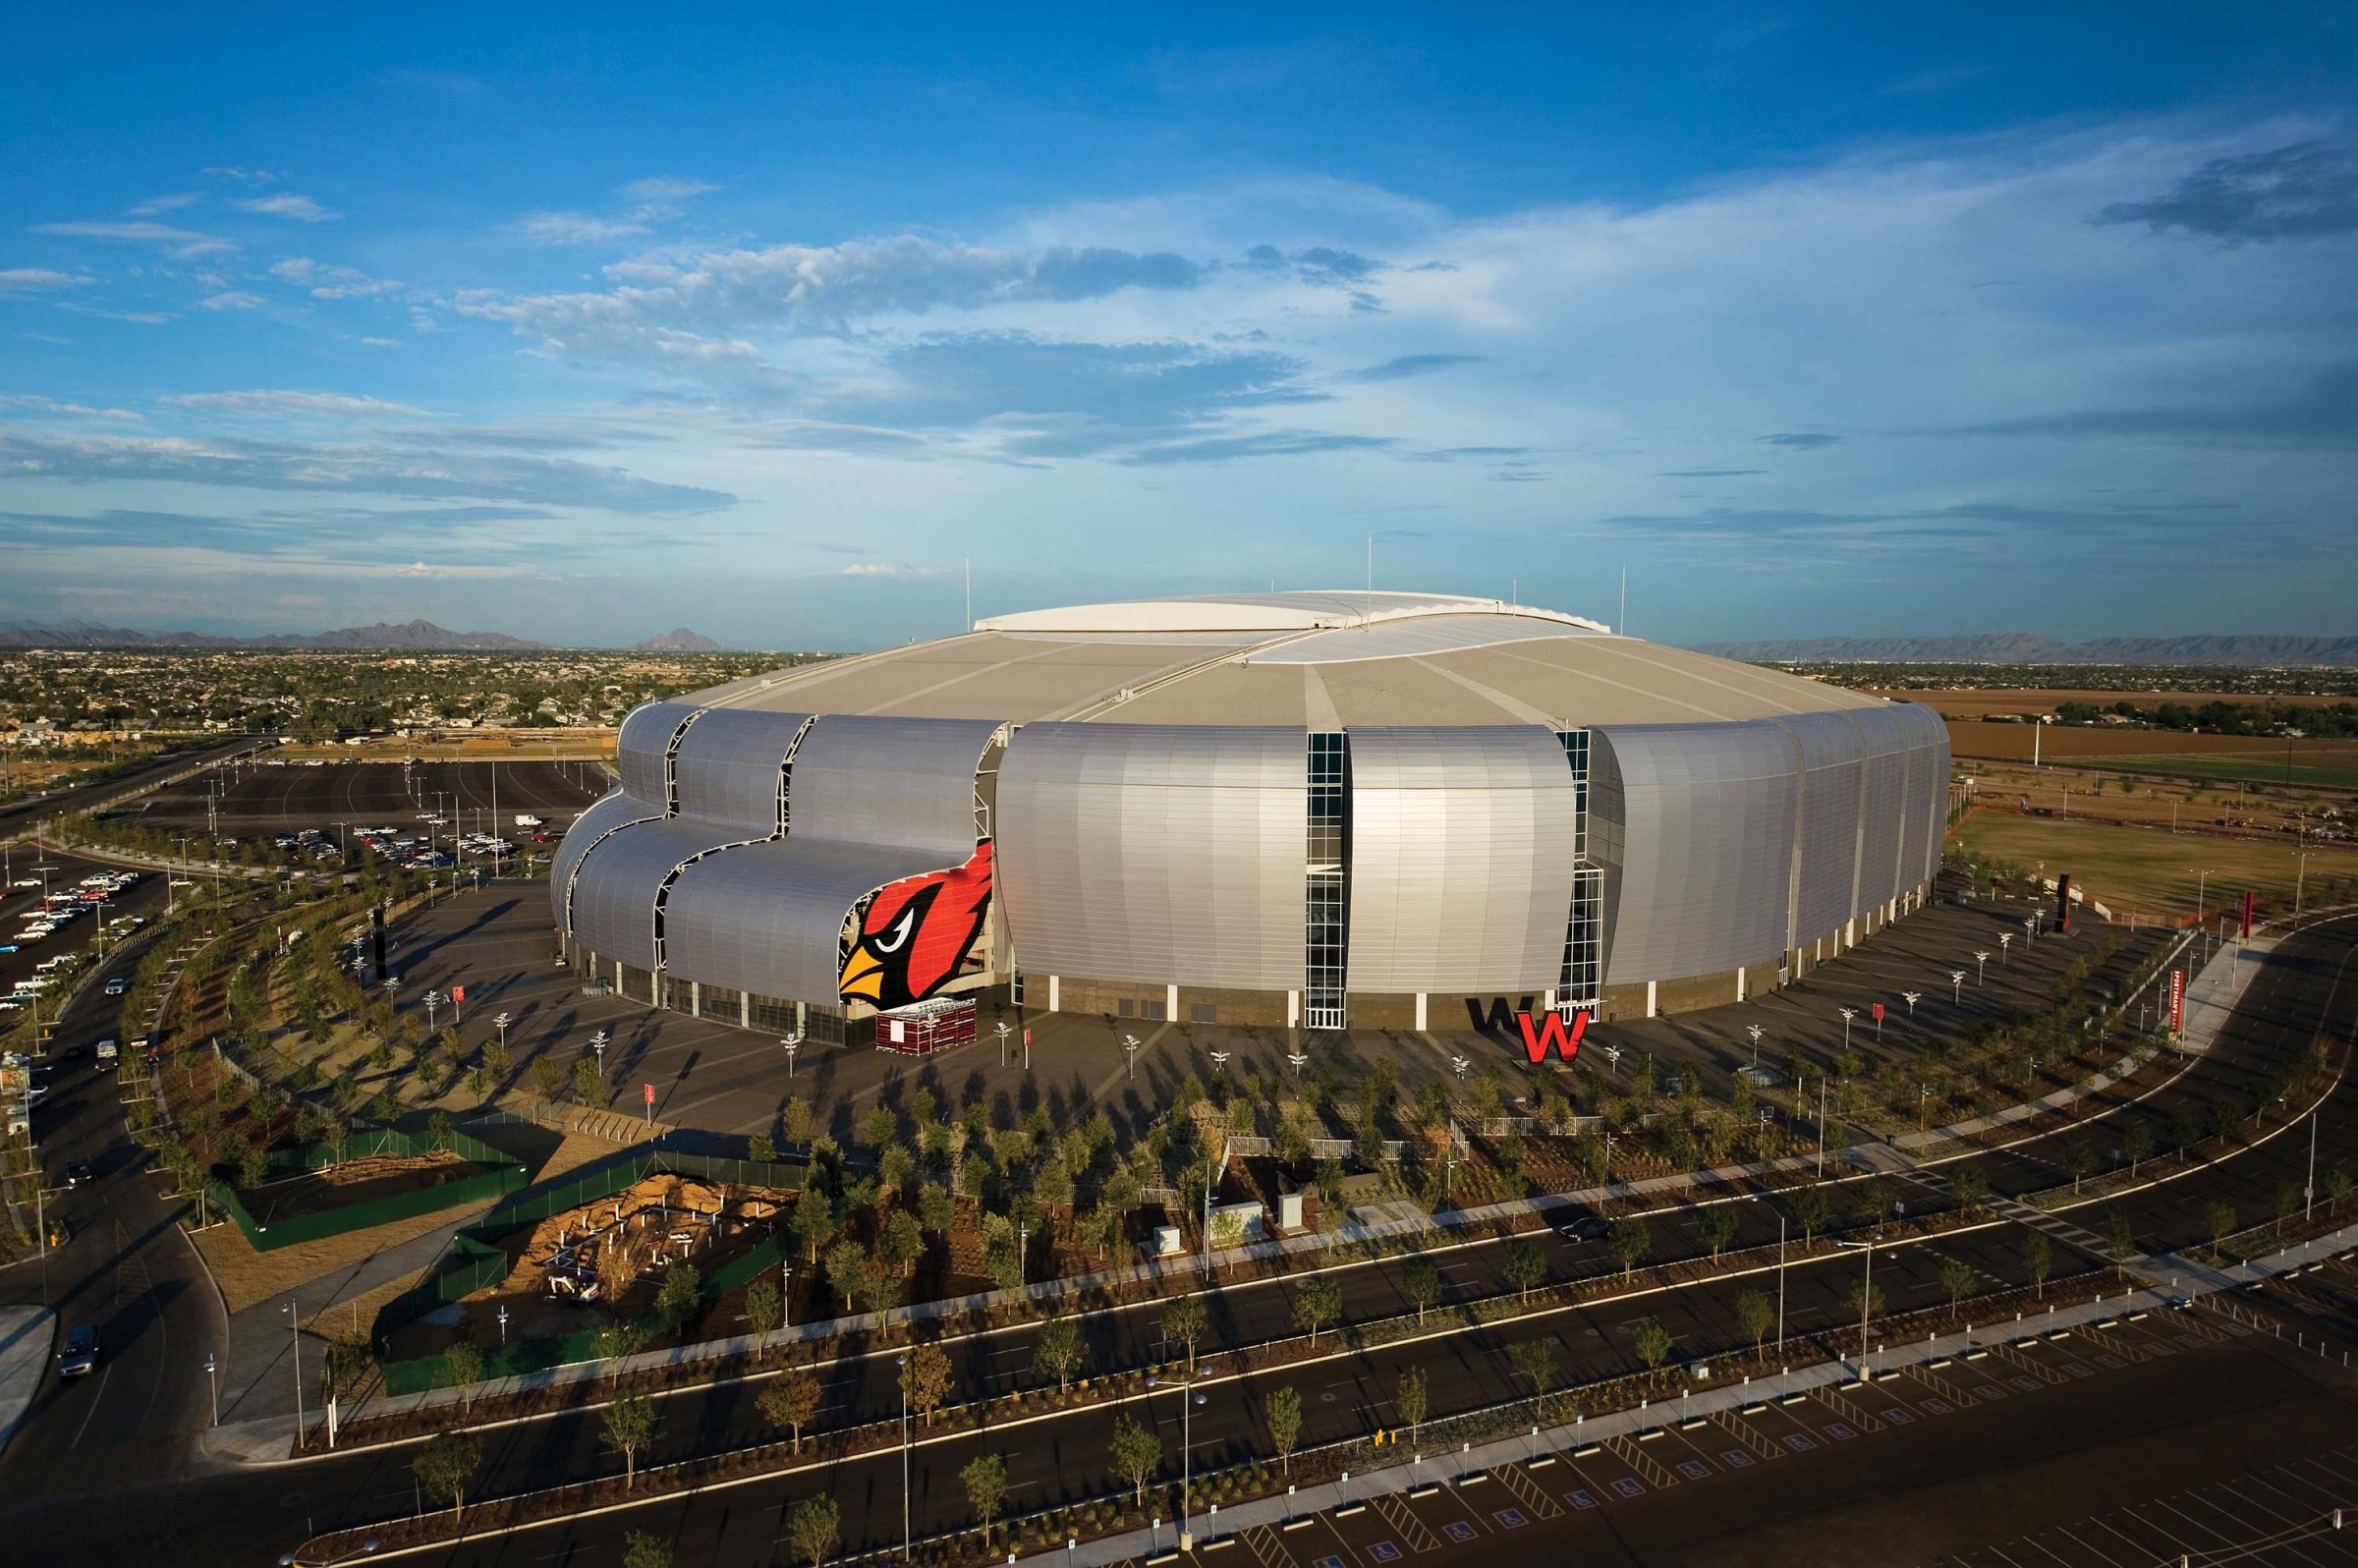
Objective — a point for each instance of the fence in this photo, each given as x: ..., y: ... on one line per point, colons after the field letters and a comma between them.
x: 476, y: 1262
x: 502, y: 1173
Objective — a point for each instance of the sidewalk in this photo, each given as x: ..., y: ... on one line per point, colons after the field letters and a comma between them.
x: 25, y: 1335
x: 1274, y: 1512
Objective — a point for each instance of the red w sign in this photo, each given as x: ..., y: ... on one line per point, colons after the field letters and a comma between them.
x: 1548, y: 1030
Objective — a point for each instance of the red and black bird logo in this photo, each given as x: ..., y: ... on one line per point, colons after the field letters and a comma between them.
x: 917, y: 935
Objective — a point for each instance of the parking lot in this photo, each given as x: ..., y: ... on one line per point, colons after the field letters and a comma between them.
x: 269, y: 797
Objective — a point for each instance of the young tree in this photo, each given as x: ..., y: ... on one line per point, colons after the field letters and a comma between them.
x: 904, y: 1241
x: 2218, y: 1219
x: 629, y: 1426
x: 1717, y: 1227
x: 2079, y: 1161
x: 1630, y: 1241
x: 1057, y: 1351
x: 1865, y: 1299
x: 1283, y: 1411
x: 1535, y: 1361
x: 445, y: 1467
x: 927, y: 1379
x: 760, y: 1149
x: 1651, y: 1341
x: 790, y: 1400
x: 795, y: 1120
x: 883, y: 1127
x: 642, y: 1550
x: 1421, y: 1282
x: 764, y: 1307
x: 545, y: 1077
x: 2137, y: 1144
x: 1756, y: 1314
x: 985, y: 1477
x: 1812, y: 1209
x: 811, y: 1529
x: 464, y: 1364
x: 1409, y: 1399
x: 1137, y: 1454
x: 813, y: 1217
x: 681, y: 1294
x: 1317, y: 1302
x: 1957, y: 1279
x: 848, y: 1274
x: 2038, y: 1260
x: 1523, y: 1265
x: 2289, y: 1203
x: 588, y: 1086
x: 498, y: 1060
x: 1183, y: 1320
x: 2338, y: 1189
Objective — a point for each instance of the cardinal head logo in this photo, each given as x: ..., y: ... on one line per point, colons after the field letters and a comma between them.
x: 917, y: 935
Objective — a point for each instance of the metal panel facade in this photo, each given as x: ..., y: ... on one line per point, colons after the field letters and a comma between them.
x: 614, y: 895
x: 730, y: 767
x: 1833, y: 768
x: 1462, y: 854
x: 602, y: 816
x: 768, y: 918
x: 1890, y: 736
x: 1693, y: 824
x: 643, y: 749
x: 1160, y: 854
x: 1928, y: 797
x: 908, y: 783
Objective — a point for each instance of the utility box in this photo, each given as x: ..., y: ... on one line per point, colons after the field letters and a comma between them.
x: 1168, y: 1241
x: 1289, y: 1211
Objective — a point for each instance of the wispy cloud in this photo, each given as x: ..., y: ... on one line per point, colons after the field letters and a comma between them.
x: 34, y: 280
x: 665, y: 187
x: 1800, y: 441
x: 274, y: 401
x: 2302, y: 192
x: 232, y: 299
x: 329, y: 281
x: 301, y: 208
x: 886, y: 569
x: 574, y: 228
x: 182, y: 243
x: 1408, y: 365
x: 171, y: 203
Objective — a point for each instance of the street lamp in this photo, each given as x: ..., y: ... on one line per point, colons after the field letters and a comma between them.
x: 1463, y: 1065
x: 1002, y: 1029
x: 501, y: 1023
x: 1189, y: 1398
x: 1219, y: 1060
x: 1911, y: 999
x: 1866, y: 1295
x: 503, y: 1327
x: 793, y: 1042
x: 433, y: 999
x: 1756, y: 1031
x: 2005, y: 946
x: 1956, y: 984
x: 1848, y: 1013
x: 2202, y: 902
x: 597, y: 1044
x: 1300, y: 1061
x: 1130, y: 1044
x: 295, y: 1327
x: 212, y: 1378
x: 902, y: 1362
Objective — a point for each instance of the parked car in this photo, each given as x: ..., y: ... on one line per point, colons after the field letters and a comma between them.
x: 1589, y: 1228
x: 78, y: 1356
x: 118, y: 986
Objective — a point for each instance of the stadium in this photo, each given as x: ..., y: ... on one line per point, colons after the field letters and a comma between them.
x: 1313, y: 810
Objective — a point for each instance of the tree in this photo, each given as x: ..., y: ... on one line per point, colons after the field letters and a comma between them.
x: 2038, y: 1260
x: 464, y: 1364
x: 790, y: 1400
x: 811, y: 1529
x: 1523, y: 1265
x: 1811, y: 1208
x: 883, y: 1127
x: 985, y: 1477
x: 445, y: 1467
x: 1630, y: 1241
x: 498, y: 1060
x: 642, y: 1550
x: 1183, y: 1320
x: 2218, y: 1219
x: 1137, y: 1454
x: 1867, y: 1299
x: 795, y: 1120
x: 1957, y: 1279
x: 904, y: 1241
x: 760, y: 1149
x: 1409, y: 1397
x: 629, y: 1426
x: 1283, y: 1412
x: 546, y: 1078
x: 1651, y: 1341
x: 764, y: 1307
x: 1534, y: 1361
x: 927, y: 1379
x: 1422, y: 1282
x: 589, y: 1084
x: 2137, y: 1144
x: 682, y: 1292
x: 1717, y: 1226
x: 2079, y: 1161
x: 1317, y: 1302
x: 813, y: 1217
x: 2338, y: 1189
x: 1057, y: 1352
x: 1755, y: 1315
x: 847, y: 1273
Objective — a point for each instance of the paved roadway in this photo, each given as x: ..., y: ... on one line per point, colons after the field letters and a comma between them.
x: 222, y: 1516
x: 21, y: 816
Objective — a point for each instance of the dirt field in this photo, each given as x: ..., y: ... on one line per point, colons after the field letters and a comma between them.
x: 1972, y: 702
x: 2331, y: 763
x: 2269, y: 810
x: 2150, y: 871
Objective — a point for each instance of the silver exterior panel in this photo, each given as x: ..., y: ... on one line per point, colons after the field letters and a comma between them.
x: 1890, y: 736
x: 621, y: 880
x: 643, y: 749
x: 1927, y: 817
x: 1833, y: 756
x: 1170, y: 856
x: 602, y: 816
x: 1694, y: 826
x: 905, y: 783
x: 1462, y: 855
x: 768, y: 918
x: 730, y: 767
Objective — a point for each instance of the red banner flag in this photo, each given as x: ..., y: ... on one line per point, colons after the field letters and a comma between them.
x: 458, y: 995
x: 651, y: 1093
x: 2177, y: 1001
x: 1878, y: 1014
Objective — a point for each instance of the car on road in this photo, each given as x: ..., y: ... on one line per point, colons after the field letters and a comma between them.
x: 78, y: 1356
x: 76, y: 1051
x: 1591, y: 1227
x: 118, y: 986
x: 10, y: 947
x: 80, y: 1174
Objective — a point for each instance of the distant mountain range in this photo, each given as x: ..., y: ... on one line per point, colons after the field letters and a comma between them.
x: 2024, y: 647
x: 419, y: 635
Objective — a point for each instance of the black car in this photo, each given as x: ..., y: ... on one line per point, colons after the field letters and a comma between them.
x: 1589, y: 1228
x: 78, y: 1356
x: 76, y: 1051
x: 80, y: 1174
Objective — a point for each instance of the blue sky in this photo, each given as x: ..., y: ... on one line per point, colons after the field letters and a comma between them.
x: 585, y: 324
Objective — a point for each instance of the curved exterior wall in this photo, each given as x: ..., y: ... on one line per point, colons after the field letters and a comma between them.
x: 602, y: 818
x: 1825, y: 863
x: 1463, y: 843
x: 620, y: 887
x: 643, y: 751
x: 768, y: 918
x: 1165, y: 855
x: 730, y: 767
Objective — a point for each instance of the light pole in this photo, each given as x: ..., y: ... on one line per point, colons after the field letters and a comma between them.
x: 1002, y: 1029
x: 1219, y: 1061
x: 1189, y: 1398
x: 2299, y: 880
x: 2005, y: 947
x: 1956, y: 986
x: 212, y: 1378
x: 1911, y: 999
x: 1756, y: 1031
x: 597, y: 1044
x: 503, y: 1327
x: 1463, y: 1065
x: 433, y: 999
x: 1848, y: 1013
x: 903, y: 1363
x: 1130, y: 1045
x: 2202, y: 901
x: 501, y: 1023
x: 295, y: 1327
x: 1821, y: 1125
x: 2309, y: 1192
x: 793, y: 1042
x: 785, y: 1293
x: 1866, y: 1297
x: 1300, y: 1061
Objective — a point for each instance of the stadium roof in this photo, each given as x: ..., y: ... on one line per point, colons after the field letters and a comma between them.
x: 1311, y: 660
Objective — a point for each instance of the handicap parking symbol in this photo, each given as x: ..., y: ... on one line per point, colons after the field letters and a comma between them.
x: 1897, y: 1417
x: 1326, y: 1562
x: 1797, y: 1443
x: 1384, y: 1552
x: 1841, y: 1429
x: 1628, y: 1488
x: 1939, y: 1407
x: 1580, y: 1499
x: 1509, y: 1517
x: 1458, y: 1530
x: 1735, y: 1458
x: 1694, y: 1469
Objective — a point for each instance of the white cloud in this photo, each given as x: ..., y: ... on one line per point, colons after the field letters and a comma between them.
x: 327, y: 281
x: 37, y: 404
x: 886, y: 569
x: 171, y: 203
x: 665, y: 187
x: 273, y: 401
x: 231, y: 300
x: 27, y: 280
x: 240, y: 176
x: 182, y: 243
x: 302, y: 208
x: 573, y: 228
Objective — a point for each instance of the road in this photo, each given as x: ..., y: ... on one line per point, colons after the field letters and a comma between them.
x: 217, y: 1515
x: 22, y: 816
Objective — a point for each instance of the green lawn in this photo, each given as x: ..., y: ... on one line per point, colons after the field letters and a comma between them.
x: 2151, y: 871
x: 2229, y: 770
